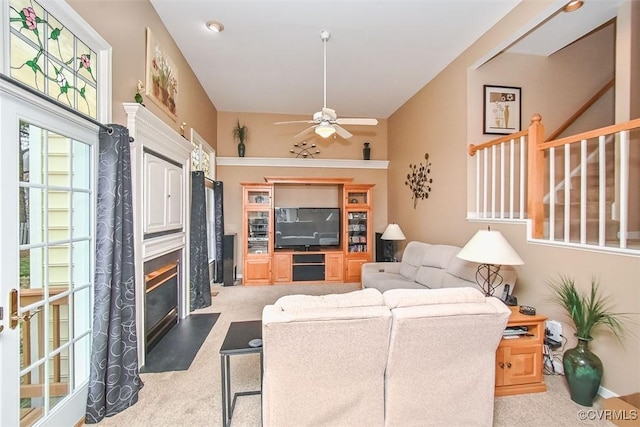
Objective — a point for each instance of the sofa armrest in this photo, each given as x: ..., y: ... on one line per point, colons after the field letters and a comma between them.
x: 380, y: 267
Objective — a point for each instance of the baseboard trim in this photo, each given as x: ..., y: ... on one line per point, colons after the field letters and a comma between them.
x: 605, y: 393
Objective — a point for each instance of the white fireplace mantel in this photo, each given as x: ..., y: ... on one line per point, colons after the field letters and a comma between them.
x: 153, y: 137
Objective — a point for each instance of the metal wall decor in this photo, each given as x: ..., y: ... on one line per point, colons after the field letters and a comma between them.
x: 301, y: 150
x: 418, y: 180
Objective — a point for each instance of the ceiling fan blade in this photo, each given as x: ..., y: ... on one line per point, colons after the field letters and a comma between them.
x: 304, y: 132
x: 294, y: 121
x: 343, y: 132
x: 355, y: 121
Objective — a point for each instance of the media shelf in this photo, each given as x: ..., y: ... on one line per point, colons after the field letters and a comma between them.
x: 265, y: 264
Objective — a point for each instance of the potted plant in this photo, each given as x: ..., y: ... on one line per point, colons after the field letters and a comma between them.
x: 240, y: 134
x: 589, y: 312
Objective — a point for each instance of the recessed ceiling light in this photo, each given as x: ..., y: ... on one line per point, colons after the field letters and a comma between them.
x: 215, y: 26
x: 573, y: 5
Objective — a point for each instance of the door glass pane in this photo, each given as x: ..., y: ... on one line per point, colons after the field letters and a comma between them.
x: 58, y: 208
x: 31, y: 268
x: 31, y: 397
x: 82, y: 351
x: 31, y: 331
x: 58, y: 377
x: 81, y: 263
x: 81, y: 165
x: 81, y: 316
x: 58, y: 269
x: 81, y: 214
x: 55, y: 228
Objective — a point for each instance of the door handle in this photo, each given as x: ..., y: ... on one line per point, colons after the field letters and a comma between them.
x: 14, y: 316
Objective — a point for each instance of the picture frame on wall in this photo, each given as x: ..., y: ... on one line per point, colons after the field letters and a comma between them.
x: 161, y: 77
x: 501, y: 110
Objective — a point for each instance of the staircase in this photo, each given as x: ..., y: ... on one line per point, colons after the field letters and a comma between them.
x: 592, y: 203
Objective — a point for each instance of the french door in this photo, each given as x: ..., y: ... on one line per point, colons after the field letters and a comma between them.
x: 47, y: 206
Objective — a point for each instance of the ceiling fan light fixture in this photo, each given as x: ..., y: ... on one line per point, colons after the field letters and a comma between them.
x: 215, y: 26
x: 325, y: 129
x: 573, y: 5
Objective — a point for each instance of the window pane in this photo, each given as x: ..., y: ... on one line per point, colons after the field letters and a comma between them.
x: 45, y: 55
x: 31, y: 147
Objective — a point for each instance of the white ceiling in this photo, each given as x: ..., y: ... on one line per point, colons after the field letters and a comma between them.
x: 269, y: 58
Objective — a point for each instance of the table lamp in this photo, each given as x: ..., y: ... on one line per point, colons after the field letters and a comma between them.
x: 491, y: 250
x: 393, y: 233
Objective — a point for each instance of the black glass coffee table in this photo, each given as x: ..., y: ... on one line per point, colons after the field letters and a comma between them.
x: 237, y: 342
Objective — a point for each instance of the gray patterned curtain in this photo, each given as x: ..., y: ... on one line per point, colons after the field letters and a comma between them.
x: 200, y: 289
x: 114, y: 377
x: 218, y: 213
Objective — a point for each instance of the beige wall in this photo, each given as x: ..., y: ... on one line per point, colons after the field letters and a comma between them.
x: 269, y: 140
x: 123, y: 23
x: 446, y: 115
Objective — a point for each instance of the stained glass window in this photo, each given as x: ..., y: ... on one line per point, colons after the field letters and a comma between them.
x: 45, y: 55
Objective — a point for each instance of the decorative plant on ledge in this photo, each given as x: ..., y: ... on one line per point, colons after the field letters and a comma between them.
x: 240, y: 134
x: 418, y: 180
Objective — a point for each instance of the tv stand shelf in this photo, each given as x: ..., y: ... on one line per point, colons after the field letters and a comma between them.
x: 265, y: 264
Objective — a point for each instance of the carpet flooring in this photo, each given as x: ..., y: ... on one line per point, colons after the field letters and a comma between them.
x: 177, y: 349
x: 193, y: 397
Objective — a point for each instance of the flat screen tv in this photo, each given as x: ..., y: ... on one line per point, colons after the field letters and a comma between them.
x: 307, y: 228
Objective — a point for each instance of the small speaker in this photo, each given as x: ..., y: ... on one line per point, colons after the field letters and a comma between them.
x: 228, y: 246
x: 228, y: 259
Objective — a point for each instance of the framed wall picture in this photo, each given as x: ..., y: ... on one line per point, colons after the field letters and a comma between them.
x: 501, y: 113
x: 161, y: 77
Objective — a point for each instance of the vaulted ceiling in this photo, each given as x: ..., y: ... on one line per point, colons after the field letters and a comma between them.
x: 269, y: 58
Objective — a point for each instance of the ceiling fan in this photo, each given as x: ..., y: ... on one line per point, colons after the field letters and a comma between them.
x: 326, y: 122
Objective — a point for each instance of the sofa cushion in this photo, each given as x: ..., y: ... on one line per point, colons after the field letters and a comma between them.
x: 361, y: 298
x: 397, y: 298
x: 463, y: 269
x: 412, y: 259
x: 439, y: 256
x: 430, y: 277
x: 385, y: 281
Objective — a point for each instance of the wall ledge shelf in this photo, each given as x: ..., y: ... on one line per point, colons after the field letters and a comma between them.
x: 302, y: 163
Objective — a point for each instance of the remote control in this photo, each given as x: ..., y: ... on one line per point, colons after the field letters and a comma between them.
x: 256, y: 342
x: 528, y: 310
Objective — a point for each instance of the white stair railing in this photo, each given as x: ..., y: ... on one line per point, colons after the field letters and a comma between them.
x: 600, y: 207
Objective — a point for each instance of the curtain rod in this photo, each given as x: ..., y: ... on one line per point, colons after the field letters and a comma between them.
x: 41, y: 95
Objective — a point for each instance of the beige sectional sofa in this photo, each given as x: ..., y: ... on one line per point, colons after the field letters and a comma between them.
x: 404, y: 358
x: 424, y: 265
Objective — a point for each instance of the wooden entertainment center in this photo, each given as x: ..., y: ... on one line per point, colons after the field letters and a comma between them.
x: 263, y: 264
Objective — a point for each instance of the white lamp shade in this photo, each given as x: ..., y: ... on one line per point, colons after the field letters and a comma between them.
x: 325, y: 129
x: 489, y: 247
x: 393, y: 232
